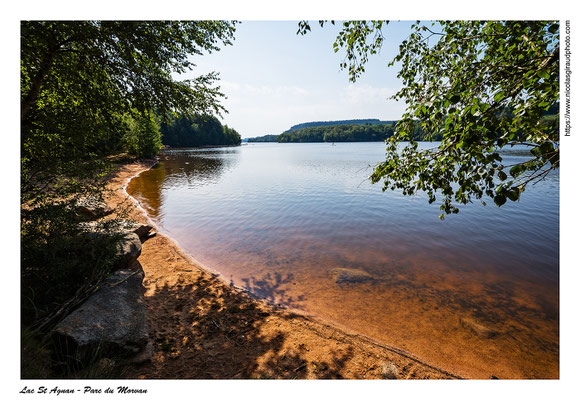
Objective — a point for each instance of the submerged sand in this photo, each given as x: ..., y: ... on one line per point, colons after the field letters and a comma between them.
x: 204, y: 327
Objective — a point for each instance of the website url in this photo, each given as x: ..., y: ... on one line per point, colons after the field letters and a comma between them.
x: 567, y: 81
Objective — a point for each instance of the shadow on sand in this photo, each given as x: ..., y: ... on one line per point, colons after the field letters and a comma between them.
x: 204, y: 329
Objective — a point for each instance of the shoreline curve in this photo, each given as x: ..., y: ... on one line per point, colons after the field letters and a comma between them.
x: 361, y: 357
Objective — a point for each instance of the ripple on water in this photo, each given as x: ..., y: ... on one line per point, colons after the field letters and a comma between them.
x: 476, y: 293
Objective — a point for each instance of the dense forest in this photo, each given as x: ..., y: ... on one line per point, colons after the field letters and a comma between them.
x: 197, y: 130
x: 339, y: 133
x: 265, y: 138
x: 370, y: 121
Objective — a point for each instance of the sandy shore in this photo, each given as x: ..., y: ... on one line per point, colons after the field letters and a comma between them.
x: 202, y: 327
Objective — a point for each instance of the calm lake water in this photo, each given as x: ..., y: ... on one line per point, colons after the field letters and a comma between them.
x: 475, y: 294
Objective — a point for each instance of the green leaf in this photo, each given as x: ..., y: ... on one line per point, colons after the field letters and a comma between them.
x: 544, y: 74
x: 546, y: 147
x: 486, y: 91
x: 454, y: 99
x: 517, y: 170
x: 513, y: 194
x: 544, y: 104
x: 499, y: 200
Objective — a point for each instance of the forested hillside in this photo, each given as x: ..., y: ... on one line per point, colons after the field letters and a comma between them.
x: 339, y: 133
x: 197, y: 130
x: 265, y: 138
x: 370, y: 121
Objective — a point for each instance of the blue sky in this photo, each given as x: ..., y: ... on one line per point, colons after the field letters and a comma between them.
x: 274, y: 78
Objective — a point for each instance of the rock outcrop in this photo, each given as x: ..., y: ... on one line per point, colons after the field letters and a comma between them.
x: 110, y: 323
x: 128, y: 247
x: 128, y: 250
x: 91, y: 207
x: 123, y: 226
x: 141, y: 230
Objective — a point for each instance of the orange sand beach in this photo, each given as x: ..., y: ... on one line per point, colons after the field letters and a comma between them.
x: 203, y: 327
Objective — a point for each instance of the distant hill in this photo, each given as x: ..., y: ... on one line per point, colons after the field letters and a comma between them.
x: 265, y: 138
x: 355, y: 130
x: 370, y: 121
x: 339, y: 133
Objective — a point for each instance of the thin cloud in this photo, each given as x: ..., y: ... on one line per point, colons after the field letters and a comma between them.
x: 366, y: 94
x: 263, y: 90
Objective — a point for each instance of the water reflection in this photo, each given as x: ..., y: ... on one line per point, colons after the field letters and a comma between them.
x: 192, y: 168
x: 148, y: 191
x: 184, y: 168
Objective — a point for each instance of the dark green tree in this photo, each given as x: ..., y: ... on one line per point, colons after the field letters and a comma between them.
x: 89, y: 89
x: 478, y: 86
x: 265, y: 138
x: 186, y: 130
x: 80, y: 79
x: 143, y: 135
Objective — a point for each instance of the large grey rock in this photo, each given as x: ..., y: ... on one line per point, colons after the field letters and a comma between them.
x: 141, y: 230
x: 128, y: 250
x: 123, y: 226
x: 348, y: 275
x: 127, y: 246
x: 112, y: 322
x: 92, y: 207
x: 145, y: 355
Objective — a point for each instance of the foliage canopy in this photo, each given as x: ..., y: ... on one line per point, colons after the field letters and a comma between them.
x: 480, y: 85
x: 89, y: 90
x: 80, y: 79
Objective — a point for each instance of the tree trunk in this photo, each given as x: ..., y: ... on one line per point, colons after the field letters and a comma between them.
x: 37, y: 82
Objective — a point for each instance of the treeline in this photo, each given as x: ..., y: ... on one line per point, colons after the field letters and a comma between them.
x: 339, y: 133
x: 369, y: 121
x: 197, y: 130
x: 265, y: 138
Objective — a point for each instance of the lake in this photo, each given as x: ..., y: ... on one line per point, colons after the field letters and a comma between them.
x: 476, y: 294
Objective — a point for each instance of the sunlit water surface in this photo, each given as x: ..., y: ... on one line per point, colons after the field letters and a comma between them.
x: 475, y: 294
